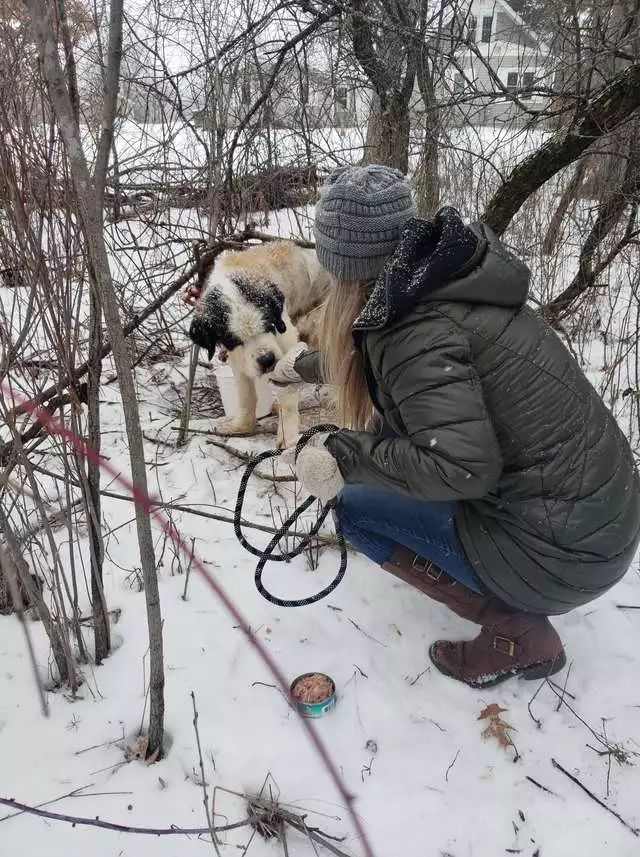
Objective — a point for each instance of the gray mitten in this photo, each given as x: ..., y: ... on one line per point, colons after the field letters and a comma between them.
x: 284, y: 373
x: 318, y: 470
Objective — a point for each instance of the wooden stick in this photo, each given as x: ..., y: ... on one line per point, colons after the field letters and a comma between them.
x: 186, y: 411
x: 174, y: 830
x: 634, y: 830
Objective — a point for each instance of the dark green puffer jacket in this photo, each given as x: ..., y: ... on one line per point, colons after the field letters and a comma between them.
x: 486, y: 406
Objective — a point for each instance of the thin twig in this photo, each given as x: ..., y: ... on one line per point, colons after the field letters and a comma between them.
x: 453, y: 761
x: 275, y: 687
x: 188, y: 571
x: 634, y: 830
x: 316, y: 837
x: 564, y: 689
x: 368, y: 636
x: 174, y: 830
x: 419, y: 676
x: 97, y: 746
x: 247, y: 458
x: 530, y: 703
x: 557, y: 687
x: 540, y: 786
x: 73, y: 793
x: 186, y: 412
x: 205, y: 796
x: 189, y: 510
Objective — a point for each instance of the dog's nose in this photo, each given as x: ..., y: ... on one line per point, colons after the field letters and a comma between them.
x: 266, y: 361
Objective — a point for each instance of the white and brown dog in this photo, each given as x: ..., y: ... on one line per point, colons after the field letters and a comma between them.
x: 258, y: 304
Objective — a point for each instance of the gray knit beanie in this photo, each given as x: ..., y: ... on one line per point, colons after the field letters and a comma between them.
x: 359, y: 220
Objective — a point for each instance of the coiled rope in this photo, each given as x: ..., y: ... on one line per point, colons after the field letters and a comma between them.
x: 268, y: 554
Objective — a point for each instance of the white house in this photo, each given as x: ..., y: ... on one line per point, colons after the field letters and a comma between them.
x: 502, y: 57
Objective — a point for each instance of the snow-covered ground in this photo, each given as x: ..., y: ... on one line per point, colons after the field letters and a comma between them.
x: 409, y: 798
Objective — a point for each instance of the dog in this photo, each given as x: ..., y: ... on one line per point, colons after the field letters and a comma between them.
x: 255, y: 305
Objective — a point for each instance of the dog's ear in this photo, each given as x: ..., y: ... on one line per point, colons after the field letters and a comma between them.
x: 274, y: 308
x: 205, y: 334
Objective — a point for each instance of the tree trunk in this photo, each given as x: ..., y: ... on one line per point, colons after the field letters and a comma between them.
x: 567, y: 200
x: 610, y: 212
x: 388, y: 136
x: 426, y: 178
x: 89, y: 194
x: 101, y: 631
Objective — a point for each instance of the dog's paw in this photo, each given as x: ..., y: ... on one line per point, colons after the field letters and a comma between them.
x: 233, y: 427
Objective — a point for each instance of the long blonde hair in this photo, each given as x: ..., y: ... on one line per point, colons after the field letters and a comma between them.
x: 342, y: 362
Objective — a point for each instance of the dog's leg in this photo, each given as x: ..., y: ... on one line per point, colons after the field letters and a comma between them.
x: 245, y: 420
x: 288, y: 418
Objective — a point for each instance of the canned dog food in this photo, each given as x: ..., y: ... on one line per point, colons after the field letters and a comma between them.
x: 313, y: 694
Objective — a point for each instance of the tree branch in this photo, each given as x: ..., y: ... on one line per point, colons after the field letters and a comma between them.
x: 79, y: 821
x: 612, y: 106
x: 363, y: 47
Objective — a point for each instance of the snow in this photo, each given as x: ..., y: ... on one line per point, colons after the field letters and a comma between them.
x: 406, y: 802
x: 406, y: 739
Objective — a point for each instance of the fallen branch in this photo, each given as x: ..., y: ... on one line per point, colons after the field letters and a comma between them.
x: 79, y: 821
x: 327, y: 541
x: 634, y: 830
x: 247, y: 458
x: 315, y: 837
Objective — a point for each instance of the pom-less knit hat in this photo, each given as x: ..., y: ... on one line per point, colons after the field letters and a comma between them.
x: 359, y: 220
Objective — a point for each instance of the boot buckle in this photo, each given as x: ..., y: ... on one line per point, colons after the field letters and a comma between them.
x: 504, y: 646
x: 425, y: 566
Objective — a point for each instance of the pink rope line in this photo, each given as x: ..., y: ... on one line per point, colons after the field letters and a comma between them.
x: 54, y: 427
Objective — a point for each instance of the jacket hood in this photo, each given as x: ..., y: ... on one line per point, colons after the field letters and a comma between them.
x: 444, y: 260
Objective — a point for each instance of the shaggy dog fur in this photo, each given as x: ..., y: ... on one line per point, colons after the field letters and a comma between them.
x: 257, y: 304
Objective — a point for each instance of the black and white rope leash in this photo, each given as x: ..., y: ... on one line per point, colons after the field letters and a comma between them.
x: 268, y: 555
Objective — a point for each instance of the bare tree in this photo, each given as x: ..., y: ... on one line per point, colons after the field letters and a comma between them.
x: 89, y: 195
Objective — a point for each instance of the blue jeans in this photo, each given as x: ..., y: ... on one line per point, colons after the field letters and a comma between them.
x: 374, y: 521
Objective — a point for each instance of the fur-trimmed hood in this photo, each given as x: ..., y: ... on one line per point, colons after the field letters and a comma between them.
x: 444, y: 260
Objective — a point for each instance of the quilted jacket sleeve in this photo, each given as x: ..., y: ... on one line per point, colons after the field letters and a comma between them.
x: 450, y: 450
x: 309, y: 367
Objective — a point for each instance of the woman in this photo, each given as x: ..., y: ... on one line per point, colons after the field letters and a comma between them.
x: 497, y: 482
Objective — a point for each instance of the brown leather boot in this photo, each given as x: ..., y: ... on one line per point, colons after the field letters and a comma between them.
x: 510, y: 643
x: 426, y: 576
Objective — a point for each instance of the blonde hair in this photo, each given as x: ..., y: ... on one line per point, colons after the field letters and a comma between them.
x: 343, y: 366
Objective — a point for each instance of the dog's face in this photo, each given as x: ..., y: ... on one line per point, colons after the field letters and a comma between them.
x: 246, y: 316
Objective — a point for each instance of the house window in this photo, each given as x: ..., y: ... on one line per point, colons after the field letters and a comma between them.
x: 342, y: 97
x: 472, y: 26
x: 512, y: 81
x: 527, y: 83
x: 487, y: 25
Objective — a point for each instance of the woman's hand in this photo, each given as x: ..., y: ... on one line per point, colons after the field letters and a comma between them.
x: 318, y: 470
x: 284, y: 372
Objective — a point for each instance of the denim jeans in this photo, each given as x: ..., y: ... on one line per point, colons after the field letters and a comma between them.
x: 374, y: 521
